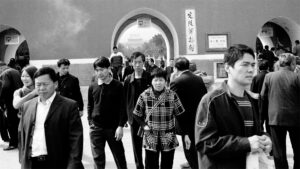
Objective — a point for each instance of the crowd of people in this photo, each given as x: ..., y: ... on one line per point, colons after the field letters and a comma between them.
x: 41, y: 111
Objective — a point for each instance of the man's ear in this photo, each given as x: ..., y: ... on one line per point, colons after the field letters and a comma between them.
x: 226, y: 67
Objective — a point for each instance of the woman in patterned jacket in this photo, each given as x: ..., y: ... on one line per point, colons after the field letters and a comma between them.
x: 155, y: 111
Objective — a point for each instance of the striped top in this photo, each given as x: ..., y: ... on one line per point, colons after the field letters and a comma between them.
x: 245, y: 108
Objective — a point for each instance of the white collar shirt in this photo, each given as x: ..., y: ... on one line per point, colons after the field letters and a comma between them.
x: 39, y: 146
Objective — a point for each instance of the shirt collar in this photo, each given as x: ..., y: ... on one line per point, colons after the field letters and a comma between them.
x: 49, y: 100
x: 182, y: 72
x: 100, y: 82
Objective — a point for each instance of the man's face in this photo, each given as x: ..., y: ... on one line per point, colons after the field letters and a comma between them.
x: 63, y: 69
x: 115, y: 50
x: 242, y: 71
x: 138, y: 64
x: 45, y: 86
x: 102, y: 73
x: 172, y: 63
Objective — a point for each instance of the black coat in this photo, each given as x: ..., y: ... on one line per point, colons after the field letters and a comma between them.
x: 190, y: 89
x: 258, y: 81
x: 130, y: 92
x: 221, y: 141
x: 68, y: 86
x: 63, y: 132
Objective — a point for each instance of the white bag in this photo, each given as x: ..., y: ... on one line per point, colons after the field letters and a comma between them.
x: 258, y: 160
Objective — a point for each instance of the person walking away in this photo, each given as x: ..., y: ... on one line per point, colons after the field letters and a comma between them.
x: 190, y: 89
x: 11, y: 80
x: 281, y: 102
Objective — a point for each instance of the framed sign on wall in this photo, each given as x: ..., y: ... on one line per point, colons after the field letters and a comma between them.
x: 220, y: 73
x: 217, y: 41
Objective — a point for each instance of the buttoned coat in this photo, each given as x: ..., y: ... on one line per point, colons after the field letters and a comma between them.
x: 63, y: 132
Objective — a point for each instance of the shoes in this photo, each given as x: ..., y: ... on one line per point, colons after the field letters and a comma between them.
x: 10, y: 148
x: 185, y: 165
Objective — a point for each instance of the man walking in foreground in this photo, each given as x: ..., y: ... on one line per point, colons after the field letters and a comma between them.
x: 227, y: 122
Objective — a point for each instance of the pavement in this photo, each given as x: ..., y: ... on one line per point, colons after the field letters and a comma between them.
x: 9, y: 159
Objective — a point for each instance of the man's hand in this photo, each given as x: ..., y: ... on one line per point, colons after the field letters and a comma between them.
x: 187, y: 142
x: 267, y: 143
x: 80, y: 113
x: 146, y: 128
x: 119, y: 133
x: 255, y: 143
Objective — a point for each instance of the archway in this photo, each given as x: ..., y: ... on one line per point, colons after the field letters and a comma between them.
x: 278, y: 32
x: 13, y: 45
x: 157, y: 19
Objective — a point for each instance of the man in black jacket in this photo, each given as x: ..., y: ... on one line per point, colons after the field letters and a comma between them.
x: 134, y: 85
x: 68, y: 85
x: 227, y: 121
x: 190, y: 89
x: 106, y: 115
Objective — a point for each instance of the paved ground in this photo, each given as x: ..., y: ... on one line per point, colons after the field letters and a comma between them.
x: 9, y: 159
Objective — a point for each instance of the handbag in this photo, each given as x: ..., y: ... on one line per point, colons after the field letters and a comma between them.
x: 257, y: 160
x: 140, y: 132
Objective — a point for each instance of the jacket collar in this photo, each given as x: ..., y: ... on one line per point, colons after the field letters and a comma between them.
x: 133, y: 75
x: 225, y: 88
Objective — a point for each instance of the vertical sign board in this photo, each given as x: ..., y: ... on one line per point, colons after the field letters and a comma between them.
x: 191, y: 31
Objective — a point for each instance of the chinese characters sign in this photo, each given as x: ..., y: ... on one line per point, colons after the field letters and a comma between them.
x: 191, y: 31
x: 217, y: 41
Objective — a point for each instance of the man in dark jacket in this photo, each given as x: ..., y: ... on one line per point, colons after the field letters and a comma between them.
x: 227, y: 122
x: 190, y: 89
x: 68, y: 85
x: 134, y: 85
x: 11, y: 80
x: 50, y: 127
x: 281, y: 102
x: 106, y: 115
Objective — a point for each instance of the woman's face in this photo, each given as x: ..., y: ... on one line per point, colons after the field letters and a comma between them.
x: 26, y: 79
x: 158, y: 83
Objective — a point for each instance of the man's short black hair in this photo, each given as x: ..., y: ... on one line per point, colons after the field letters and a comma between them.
x: 63, y: 61
x: 182, y: 63
x: 159, y: 73
x: 297, y: 41
x: 115, y: 47
x: 263, y: 65
x: 102, y: 62
x: 46, y: 71
x: 236, y: 52
x: 136, y: 55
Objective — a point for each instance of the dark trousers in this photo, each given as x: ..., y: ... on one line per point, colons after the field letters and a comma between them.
x: 13, y: 123
x: 137, y: 145
x: 3, y: 126
x: 278, y: 135
x: 37, y: 163
x: 191, y: 153
x: 98, y: 137
x: 152, y: 159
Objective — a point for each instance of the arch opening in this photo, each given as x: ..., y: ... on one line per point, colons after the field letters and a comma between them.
x: 158, y: 20
x: 13, y: 45
x: 279, y: 33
